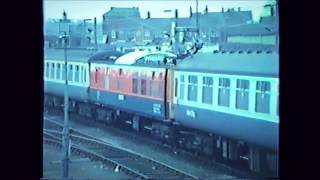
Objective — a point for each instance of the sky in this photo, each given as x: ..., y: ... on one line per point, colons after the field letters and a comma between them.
x: 85, y: 9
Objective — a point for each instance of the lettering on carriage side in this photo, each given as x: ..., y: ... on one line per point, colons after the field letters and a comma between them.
x: 120, y: 97
x: 157, y: 108
x: 191, y: 113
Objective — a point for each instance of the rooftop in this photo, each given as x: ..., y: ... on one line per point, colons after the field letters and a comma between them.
x: 254, y: 64
x: 123, y: 12
x: 212, y: 20
x: 72, y: 54
x: 250, y: 29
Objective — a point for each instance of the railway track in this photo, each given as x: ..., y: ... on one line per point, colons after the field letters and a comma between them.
x: 129, y: 162
x: 184, y: 154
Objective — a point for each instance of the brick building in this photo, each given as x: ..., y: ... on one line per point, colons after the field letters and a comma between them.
x: 125, y: 24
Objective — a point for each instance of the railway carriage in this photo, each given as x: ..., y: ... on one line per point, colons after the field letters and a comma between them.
x: 54, y: 75
x: 231, y: 95
x: 135, y: 89
x: 78, y: 75
x: 136, y: 83
x: 211, y: 103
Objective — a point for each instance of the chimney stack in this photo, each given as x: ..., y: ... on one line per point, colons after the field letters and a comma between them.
x: 271, y: 11
x: 64, y: 15
x: 222, y: 10
x: 206, y: 10
x: 239, y: 9
x: 176, y: 13
x: 190, y: 9
x: 148, y: 15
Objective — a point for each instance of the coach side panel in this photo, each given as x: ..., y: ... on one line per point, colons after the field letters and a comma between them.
x: 242, y: 107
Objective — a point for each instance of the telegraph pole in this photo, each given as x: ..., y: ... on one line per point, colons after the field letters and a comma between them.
x: 85, y: 30
x: 197, y: 17
x: 95, y: 33
x: 277, y: 24
x: 65, y: 131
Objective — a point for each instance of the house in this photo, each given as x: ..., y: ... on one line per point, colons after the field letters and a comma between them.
x: 254, y: 36
x: 80, y: 37
x: 121, y: 24
x: 211, y: 23
x: 125, y: 24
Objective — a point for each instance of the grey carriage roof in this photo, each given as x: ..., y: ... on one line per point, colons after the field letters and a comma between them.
x: 253, y: 64
x: 107, y: 57
x: 72, y: 54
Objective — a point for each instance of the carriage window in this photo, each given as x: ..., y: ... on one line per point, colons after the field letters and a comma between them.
x: 135, y: 85
x: 160, y: 76
x: 181, y: 87
x: 52, y: 71
x: 278, y: 100
x: 107, y: 71
x: 175, y: 86
x: 76, y: 75
x: 84, y: 75
x: 161, y: 85
x: 47, y: 69
x: 153, y: 75
x: 58, y: 70
x: 81, y: 74
x: 63, y: 72
x: 119, y: 84
x: 207, y: 90
x: 96, y: 76
x: 106, y: 79
x: 242, y: 94
x: 143, y: 87
x: 224, y: 92
x: 70, y: 73
x: 278, y: 105
x: 192, y: 88
x: 263, y: 97
x: 120, y: 80
x: 154, y: 86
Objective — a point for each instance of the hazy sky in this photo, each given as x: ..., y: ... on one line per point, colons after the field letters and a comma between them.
x: 83, y: 9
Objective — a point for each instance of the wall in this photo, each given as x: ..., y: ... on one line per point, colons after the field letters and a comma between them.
x: 267, y: 39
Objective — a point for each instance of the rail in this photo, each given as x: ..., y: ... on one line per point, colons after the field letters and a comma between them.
x: 128, y: 161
